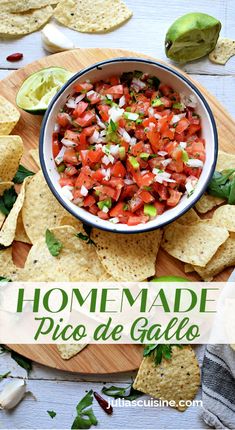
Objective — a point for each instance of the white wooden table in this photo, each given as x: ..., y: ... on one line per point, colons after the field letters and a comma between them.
x: 60, y: 391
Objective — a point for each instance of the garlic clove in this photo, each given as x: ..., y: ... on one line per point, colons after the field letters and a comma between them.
x: 54, y: 40
x: 12, y: 394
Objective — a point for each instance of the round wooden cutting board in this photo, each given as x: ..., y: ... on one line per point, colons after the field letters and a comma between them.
x: 95, y: 359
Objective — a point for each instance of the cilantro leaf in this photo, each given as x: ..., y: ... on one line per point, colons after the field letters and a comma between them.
x: 7, y: 200
x: 52, y: 414
x: 23, y: 362
x: 85, y: 417
x: 159, y: 352
x: 54, y: 245
x: 21, y: 174
x: 86, y: 238
x: 222, y: 185
x: 5, y: 375
x: 113, y: 125
x: 3, y: 279
x: 127, y: 393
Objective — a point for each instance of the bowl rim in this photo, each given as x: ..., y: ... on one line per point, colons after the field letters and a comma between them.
x: 97, y: 66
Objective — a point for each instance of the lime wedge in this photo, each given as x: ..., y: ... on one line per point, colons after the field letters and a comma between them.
x: 192, y: 36
x: 38, y: 89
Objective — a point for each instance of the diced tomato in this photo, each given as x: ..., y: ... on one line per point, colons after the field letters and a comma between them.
x: 180, y: 178
x: 168, y: 133
x: 70, y: 156
x: 119, y: 211
x: 95, y: 156
x: 118, y: 170
x: 174, y: 198
x: 84, y: 178
x: 193, y: 129
x: 83, y: 156
x: 146, y: 196
x: 177, y: 154
x: 165, y: 89
x: 63, y: 119
x: 103, y: 111
x: 147, y: 121
x: 140, y: 133
x: 154, y: 138
x: 116, y: 91
x: 70, y: 171
x: 103, y: 215
x: 160, y: 206
x: 81, y: 107
x: 86, y: 119
x: 94, y: 98
x: 161, y: 190
x: 196, y: 150
x: 93, y: 209
x: 71, y: 135
x: 114, y: 80
x: 137, y: 148
x: 105, y: 191
x: 56, y: 146
x: 135, y: 203
x: 135, y: 220
x: 166, y: 102
x: 98, y: 175
x: 128, y: 191
x: 83, y: 87
x: 66, y: 181
x: 144, y: 180
x: 176, y: 166
x: 182, y: 125
x: 89, y: 201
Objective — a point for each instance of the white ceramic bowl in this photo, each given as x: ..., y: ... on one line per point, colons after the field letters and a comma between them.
x: 117, y: 66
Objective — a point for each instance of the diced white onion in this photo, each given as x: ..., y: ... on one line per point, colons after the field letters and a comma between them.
x: 56, y: 128
x: 79, y: 98
x: 162, y: 176
x: 157, y: 116
x: 84, y: 191
x: 166, y: 162
x: 99, y: 122
x: 143, y: 172
x: 122, y: 101
x: 175, y: 119
x: 137, y: 84
x: 60, y: 156
x: 126, y: 136
x: 109, y: 96
x: 162, y: 153
x: 71, y: 103
x: 103, y: 133
x: 128, y: 181
x: 189, y: 100
x: 107, y: 159
x: 105, y: 209
x: 183, y: 145
x: 78, y: 201
x: 94, y: 138
x: 66, y: 192
x: 68, y: 143
x: 194, y: 162
x: 106, y: 173
x: 133, y: 141
x: 190, y: 184
x: 132, y: 116
x: 90, y: 93
x: 115, y: 113
x: 114, y: 150
x: 151, y: 111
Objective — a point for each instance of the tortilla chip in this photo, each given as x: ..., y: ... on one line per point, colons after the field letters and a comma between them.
x: 35, y: 156
x: 225, y: 217
x: 128, y: 257
x: 5, y: 186
x: 194, y: 244
x: 224, y: 257
x: 225, y: 49
x: 12, y: 24
x: 9, y: 116
x: 20, y: 234
x: 68, y: 351
x: 189, y: 217
x: 7, y: 267
x: 92, y: 16
x: 207, y: 202
x: 175, y: 379
x: 188, y: 268
x: 233, y: 347
x: 2, y: 219
x: 77, y: 261
x: 225, y: 161
x: 24, y: 5
x: 40, y: 200
x: 7, y: 233
x: 11, y: 151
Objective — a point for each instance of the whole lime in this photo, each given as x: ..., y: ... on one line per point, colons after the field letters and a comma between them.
x: 192, y: 36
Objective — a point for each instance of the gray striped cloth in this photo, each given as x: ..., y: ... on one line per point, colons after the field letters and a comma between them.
x: 218, y: 385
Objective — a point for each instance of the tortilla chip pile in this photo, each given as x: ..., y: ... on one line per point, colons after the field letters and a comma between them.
x: 88, y: 16
x: 177, y: 378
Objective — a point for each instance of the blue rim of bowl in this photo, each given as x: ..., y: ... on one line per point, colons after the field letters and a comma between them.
x: 100, y: 65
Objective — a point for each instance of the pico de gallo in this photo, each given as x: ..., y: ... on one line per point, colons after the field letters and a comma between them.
x: 128, y: 148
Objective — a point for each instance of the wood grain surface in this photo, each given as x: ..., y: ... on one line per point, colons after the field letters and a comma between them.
x: 117, y: 357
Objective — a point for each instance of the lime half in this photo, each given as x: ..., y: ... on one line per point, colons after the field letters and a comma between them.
x: 192, y: 36
x: 38, y: 89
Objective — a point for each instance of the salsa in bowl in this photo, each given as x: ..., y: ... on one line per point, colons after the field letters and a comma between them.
x: 128, y: 145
